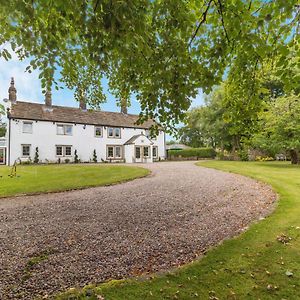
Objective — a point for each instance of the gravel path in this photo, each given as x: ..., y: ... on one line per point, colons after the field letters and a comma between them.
x: 56, y: 241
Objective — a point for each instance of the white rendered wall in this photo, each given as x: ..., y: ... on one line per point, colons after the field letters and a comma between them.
x: 44, y: 136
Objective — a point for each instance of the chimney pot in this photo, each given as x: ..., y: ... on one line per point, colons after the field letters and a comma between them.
x: 12, y: 91
x: 82, y: 104
x: 124, y: 106
x: 48, y: 98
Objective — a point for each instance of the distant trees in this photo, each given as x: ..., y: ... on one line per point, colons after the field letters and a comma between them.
x: 2, y: 125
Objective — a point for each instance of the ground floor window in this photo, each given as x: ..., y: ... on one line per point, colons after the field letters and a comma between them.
x: 26, y: 150
x: 63, y: 150
x: 137, y: 152
x: 114, y: 152
x: 154, y: 151
x: 146, y: 151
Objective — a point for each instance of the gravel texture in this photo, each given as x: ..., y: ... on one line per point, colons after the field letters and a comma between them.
x: 49, y: 243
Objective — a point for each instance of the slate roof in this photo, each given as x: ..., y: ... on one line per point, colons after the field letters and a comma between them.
x: 133, y: 138
x: 39, y: 112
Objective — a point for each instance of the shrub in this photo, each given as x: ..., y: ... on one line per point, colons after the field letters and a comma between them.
x: 264, y: 158
x: 243, y: 155
x: 36, y: 156
x: 67, y: 160
x: 76, y: 159
x: 193, y: 152
x: 95, y: 156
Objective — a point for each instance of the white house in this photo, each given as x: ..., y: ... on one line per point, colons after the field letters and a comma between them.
x: 56, y: 132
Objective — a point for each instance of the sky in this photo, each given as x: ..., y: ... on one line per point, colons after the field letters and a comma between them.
x: 29, y: 88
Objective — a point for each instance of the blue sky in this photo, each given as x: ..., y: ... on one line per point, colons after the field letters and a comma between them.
x: 29, y: 88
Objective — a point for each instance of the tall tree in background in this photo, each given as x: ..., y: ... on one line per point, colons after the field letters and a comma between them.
x: 160, y: 51
x: 2, y: 125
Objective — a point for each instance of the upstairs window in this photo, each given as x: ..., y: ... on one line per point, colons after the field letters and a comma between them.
x: 25, y: 150
x: 98, y: 131
x: 27, y: 127
x: 114, y: 132
x: 63, y: 129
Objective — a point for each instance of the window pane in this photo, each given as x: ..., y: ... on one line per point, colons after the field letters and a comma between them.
x: 68, y: 150
x: 137, y: 152
x: 60, y: 129
x: 27, y: 127
x: 117, y: 132
x: 98, y: 131
x: 118, y: 151
x: 154, y: 150
x: 110, y: 152
x: 59, y: 150
x: 146, y: 151
x: 25, y: 150
x: 110, y: 132
x: 68, y: 130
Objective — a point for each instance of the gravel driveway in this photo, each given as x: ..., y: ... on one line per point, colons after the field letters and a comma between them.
x: 56, y: 241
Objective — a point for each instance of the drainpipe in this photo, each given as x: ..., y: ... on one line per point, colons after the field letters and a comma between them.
x: 8, y: 152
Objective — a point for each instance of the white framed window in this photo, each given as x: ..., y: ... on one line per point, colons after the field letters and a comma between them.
x: 137, y: 152
x: 110, y: 152
x: 62, y: 150
x: 59, y: 150
x: 26, y: 150
x: 98, y: 131
x: 146, y: 151
x: 68, y: 150
x: 114, y: 132
x: 27, y: 127
x: 63, y: 129
x: 114, y: 152
x: 154, y: 151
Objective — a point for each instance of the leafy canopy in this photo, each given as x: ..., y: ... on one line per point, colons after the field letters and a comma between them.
x: 160, y: 51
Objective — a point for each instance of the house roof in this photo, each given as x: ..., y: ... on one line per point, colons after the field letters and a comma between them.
x: 39, y: 112
x: 133, y: 139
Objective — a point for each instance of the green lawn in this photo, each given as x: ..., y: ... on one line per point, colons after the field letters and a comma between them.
x: 253, y: 266
x: 33, y: 179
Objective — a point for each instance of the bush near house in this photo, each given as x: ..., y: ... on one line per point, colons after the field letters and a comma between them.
x: 193, y: 153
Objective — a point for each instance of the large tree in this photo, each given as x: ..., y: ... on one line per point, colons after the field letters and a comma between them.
x: 162, y: 51
x: 280, y: 127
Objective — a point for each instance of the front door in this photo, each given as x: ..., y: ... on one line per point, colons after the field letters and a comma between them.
x: 2, y: 156
x: 138, y: 154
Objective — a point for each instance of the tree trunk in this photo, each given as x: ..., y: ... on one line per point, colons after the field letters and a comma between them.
x: 294, y: 157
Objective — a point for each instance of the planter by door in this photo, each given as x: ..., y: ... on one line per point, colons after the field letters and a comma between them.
x: 2, y: 156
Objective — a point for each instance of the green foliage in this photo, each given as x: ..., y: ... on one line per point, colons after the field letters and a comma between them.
x: 76, y: 159
x: 36, y: 156
x: 243, y: 155
x: 280, y: 127
x: 2, y: 125
x: 160, y: 51
x: 95, y: 159
x: 193, y: 152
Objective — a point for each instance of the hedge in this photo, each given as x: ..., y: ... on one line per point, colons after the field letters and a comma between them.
x: 193, y: 152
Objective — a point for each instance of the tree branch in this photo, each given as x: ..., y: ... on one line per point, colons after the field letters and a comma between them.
x: 203, y: 19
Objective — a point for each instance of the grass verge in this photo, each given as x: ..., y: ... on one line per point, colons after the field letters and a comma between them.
x: 35, y: 179
x: 262, y: 263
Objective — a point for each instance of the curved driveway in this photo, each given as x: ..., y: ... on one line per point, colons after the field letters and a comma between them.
x: 56, y: 241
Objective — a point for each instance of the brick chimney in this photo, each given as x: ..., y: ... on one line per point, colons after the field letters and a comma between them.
x: 82, y: 104
x: 48, y: 98
x: 12, y: 91
x: 124, y: 106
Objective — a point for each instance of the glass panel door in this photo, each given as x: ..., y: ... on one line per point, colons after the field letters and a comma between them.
x: 2, y: 156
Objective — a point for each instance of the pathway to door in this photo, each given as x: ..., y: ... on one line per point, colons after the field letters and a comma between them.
x: 56, y: 241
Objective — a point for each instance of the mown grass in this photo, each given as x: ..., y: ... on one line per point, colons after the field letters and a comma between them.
x: 34, y: 179
x: 255, y: 265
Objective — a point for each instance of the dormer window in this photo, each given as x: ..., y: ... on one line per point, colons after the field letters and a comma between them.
x: 114, y: 132
x: 63, y: 129
x: 27, y: 127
